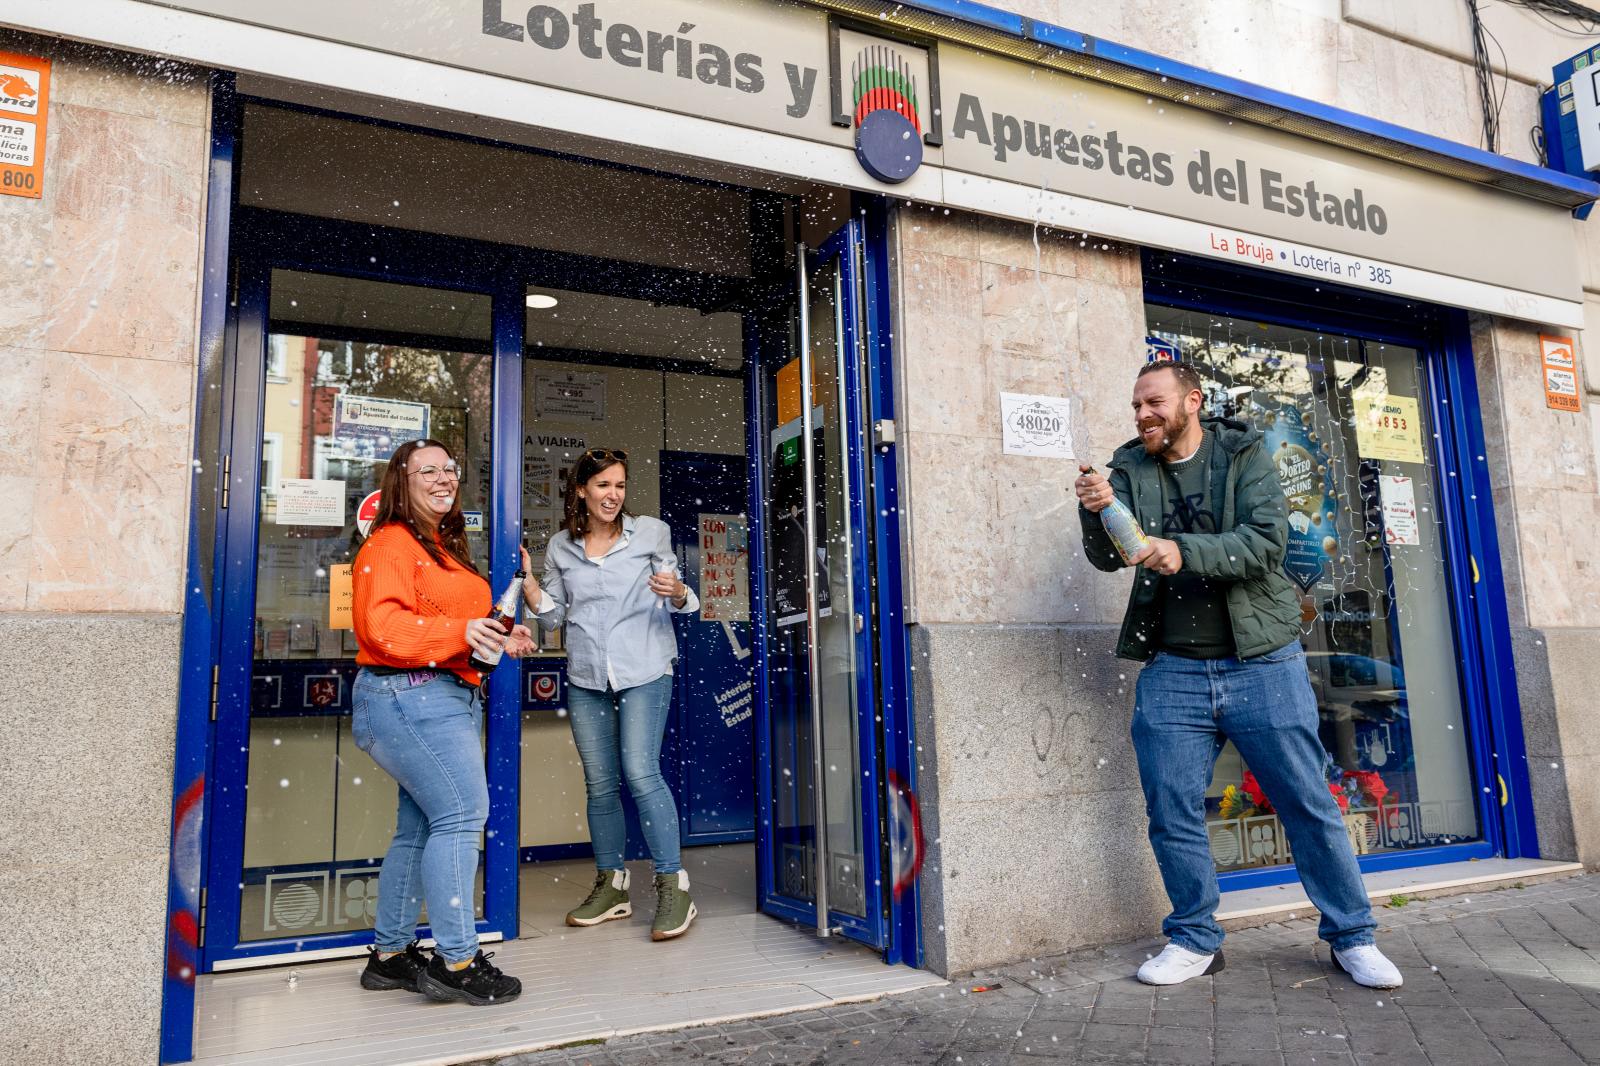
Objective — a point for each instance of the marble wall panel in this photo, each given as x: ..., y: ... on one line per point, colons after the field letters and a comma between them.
x: 959, y: 552
x: 992, y: 323
x: 1544, y: 469
x: 1028, y: 313
x: 126, y: 235
x: 943, y: 321
x: 142, y: 86
x: 97, y: 335
x: 939, y: 230
x: 16, y: 536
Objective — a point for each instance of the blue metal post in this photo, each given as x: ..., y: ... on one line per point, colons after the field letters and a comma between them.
x: 504, y: 718
x: 187, y: 850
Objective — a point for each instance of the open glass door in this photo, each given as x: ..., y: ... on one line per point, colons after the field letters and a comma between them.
x: 334, y: 372
x: 820, y: 839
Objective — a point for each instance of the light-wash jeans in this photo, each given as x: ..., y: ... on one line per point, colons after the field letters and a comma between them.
x: 425, y: 736
x: 619, y: 736
x: 1187, y: 709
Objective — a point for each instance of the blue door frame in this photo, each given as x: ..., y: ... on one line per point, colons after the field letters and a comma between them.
x: 845, y: 249
x: 242, y: 246
x: 238, y: 553
x: 1477, y: 600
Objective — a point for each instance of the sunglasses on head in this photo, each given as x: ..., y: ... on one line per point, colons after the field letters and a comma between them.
x: 615, y: 454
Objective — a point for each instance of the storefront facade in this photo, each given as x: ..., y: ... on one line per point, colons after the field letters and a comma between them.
x: 851, y: 286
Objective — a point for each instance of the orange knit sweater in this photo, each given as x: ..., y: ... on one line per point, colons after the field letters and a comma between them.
x: 411, y: 611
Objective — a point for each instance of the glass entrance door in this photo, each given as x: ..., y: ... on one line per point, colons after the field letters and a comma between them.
x: 819, y: 790
x: 332, y: 374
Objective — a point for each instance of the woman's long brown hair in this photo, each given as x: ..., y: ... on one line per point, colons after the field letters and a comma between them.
x: 576, y: 518
x: 394, y: 505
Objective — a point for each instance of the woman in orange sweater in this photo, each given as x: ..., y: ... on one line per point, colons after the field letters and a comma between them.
x: 419, y: 613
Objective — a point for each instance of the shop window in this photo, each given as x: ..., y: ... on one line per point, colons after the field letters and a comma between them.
x: 1348, y: 423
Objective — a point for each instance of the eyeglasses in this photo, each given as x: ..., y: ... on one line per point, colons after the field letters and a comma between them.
x: 431, y: 473
x: 615, y: 454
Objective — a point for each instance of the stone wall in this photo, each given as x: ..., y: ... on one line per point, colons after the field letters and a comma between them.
x: 1035, y: 818
x: 98, y: 337
x: 1547, y: 506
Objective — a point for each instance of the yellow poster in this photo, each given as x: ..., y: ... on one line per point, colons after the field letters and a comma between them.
x: 1387, y: 427
x: 341, y: 597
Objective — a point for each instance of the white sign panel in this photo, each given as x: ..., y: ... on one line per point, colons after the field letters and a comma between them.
x: 1399, y: 510
x: 1040, y: 426
x: 308, y: 502
x: 1586, y: 106
x: 372, y: 427
x: 569, y: 397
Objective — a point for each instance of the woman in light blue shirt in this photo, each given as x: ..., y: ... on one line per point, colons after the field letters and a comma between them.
x: 613, y: 578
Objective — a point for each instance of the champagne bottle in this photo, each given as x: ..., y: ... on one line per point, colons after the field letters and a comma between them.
x: 504, y: 615
x: 1123, y: 529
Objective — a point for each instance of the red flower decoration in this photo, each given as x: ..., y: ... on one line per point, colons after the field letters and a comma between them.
x: 1340, y: 796
x: 1371, y: 785
x: 1252, y: 788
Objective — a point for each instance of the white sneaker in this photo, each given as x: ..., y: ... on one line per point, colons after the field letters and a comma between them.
x: 1367, y: 966
x: 1176, y: 965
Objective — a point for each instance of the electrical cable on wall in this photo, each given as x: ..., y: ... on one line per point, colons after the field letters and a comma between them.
x: 1587, y: 18
x: 1488, y: 103
x: 1550, y: 10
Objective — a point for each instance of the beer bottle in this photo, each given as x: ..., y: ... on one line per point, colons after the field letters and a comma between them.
x: 504, y: 615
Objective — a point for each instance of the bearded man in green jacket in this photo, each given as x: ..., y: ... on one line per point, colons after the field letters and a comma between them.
x: 1217, y: 624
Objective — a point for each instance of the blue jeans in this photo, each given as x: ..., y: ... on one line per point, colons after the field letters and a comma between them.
x: 425, y: 736
x: 619, y: 736
x: 1186, y: 710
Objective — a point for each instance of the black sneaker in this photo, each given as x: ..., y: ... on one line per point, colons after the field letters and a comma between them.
x: 397, y: 971
x: 479, y: 984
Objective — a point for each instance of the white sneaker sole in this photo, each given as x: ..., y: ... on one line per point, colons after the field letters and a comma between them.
x: 621, y: 910
x: 1216, y: 965
x: 668, y: 934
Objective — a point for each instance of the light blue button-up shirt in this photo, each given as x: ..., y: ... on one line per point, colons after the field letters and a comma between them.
x: 619, y: 633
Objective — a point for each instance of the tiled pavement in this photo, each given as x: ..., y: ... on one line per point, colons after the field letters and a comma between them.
x: 1509, y: 976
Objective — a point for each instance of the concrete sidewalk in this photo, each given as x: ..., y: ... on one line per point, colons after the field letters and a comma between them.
x: 1508, y: 976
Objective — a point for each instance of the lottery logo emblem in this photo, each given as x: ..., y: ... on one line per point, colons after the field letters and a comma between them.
x: 888, y: 131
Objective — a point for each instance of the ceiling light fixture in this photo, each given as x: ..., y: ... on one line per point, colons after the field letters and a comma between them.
x: 540, y: 301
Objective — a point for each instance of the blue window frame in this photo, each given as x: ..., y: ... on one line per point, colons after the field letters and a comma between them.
x: 1477, y: 600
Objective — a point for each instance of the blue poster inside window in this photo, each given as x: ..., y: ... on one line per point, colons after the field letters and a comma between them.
x: 1308, y: 493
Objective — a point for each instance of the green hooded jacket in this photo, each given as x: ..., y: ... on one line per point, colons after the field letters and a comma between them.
x: 1262, y: 603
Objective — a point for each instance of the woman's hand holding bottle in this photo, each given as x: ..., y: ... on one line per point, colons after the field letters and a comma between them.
x: 485, y: 637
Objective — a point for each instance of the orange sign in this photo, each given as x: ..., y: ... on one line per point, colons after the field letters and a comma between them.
x: 1560, y: 368
x: 341, y: 597
x: 24, y: 106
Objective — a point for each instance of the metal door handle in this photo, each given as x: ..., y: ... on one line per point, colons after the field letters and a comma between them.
x: 861, y: 623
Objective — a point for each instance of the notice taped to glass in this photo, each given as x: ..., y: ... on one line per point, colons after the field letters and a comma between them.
x: 1387, y: 427
x: 570, y: 396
